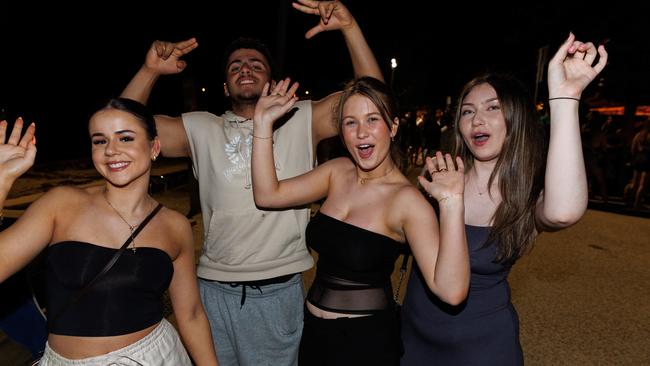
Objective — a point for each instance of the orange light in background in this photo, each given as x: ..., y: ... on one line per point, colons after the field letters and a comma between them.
x: 643, y: 110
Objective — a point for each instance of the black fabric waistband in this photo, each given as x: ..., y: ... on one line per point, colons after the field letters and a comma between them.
x: 258, y: 283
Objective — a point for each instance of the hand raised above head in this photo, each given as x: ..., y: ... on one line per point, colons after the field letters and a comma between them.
x: 17, y: 154
x: 164, y: 57
x: 571, y: 70
x: 447, y: 180
x: 333, y: 15
x: 274, y: 104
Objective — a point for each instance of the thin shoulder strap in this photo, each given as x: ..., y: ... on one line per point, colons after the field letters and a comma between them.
x: 110, y: 263
x: 128, y: 241
x: 142, y: 225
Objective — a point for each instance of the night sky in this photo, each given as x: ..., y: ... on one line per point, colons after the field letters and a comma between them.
x: 57, y: 68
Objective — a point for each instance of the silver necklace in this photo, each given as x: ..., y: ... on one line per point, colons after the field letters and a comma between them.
x: 478, y: 190
x: 131, y: 227
x: 476, y: 186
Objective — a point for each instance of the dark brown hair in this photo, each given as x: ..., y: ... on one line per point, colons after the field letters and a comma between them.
x: 252, y: 44
x: 138, y: 110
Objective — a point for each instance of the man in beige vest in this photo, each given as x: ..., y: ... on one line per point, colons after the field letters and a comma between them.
x: 250, y: 268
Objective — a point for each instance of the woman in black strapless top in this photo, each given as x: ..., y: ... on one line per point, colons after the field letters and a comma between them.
x: 370, y: 211
x: 119, y: 317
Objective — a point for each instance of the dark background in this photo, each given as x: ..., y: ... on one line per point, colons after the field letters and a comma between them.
x: 59, y: 63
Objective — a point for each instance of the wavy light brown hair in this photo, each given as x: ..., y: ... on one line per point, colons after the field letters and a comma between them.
x: 519, y: 168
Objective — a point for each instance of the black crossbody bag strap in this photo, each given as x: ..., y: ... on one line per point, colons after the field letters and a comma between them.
x: 108, y: 265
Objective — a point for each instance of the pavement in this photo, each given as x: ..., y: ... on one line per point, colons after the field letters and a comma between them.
x: 582, y: 294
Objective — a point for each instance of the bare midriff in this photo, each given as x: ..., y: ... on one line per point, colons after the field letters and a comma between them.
x: 324, y: 314
x: 75, y: 348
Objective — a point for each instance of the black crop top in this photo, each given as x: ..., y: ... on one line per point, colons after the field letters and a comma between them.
x: 124, y: 300
x: 354, y: 267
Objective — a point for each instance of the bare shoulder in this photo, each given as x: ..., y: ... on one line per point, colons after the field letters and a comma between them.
x: 339, y: 163
x: 68, y: 195
x: 173, y: 218
x: 409, y: 200
x: 174, y: 224
x: 342, y: 169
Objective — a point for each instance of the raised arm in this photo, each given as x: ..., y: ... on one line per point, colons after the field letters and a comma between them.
x: 192, y: 321
x: 16, y: 155
x: 163, y: 58
x: 267, y: 190
x: 442, y: 255
x: 335, y: 16
x: 21, y: 242
x: 564, y: 199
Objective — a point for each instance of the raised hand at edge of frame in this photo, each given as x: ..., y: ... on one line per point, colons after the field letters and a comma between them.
x: 333, y: 15
x: 571, y: 70
x: 18, y: 153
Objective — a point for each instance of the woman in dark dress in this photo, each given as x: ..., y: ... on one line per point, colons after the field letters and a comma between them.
x: 511, y: 195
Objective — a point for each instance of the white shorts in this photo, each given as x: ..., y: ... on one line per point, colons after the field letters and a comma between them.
x: 161, y: 347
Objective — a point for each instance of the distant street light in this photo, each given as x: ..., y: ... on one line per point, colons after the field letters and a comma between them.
x: 393, y: 66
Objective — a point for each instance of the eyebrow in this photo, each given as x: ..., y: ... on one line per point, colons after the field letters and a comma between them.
x: 486, y: 101
x: 365, y: 115
x: 252, y: 59
x: 120, y: 132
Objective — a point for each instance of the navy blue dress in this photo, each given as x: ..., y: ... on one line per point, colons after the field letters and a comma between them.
x: 483, y: 330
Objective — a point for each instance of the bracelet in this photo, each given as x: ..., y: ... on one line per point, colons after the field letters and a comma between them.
x: 572, y: 98
x: 263, y: 138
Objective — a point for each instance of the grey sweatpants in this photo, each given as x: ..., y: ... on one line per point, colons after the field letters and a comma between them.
x: 266, y: 330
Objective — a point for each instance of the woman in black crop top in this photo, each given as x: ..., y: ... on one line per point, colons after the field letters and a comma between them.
x: 120, y: 316
x: 370, y: 210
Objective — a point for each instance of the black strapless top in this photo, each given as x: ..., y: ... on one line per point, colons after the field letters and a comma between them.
x: 354, y: 267
x: 126, y: 299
